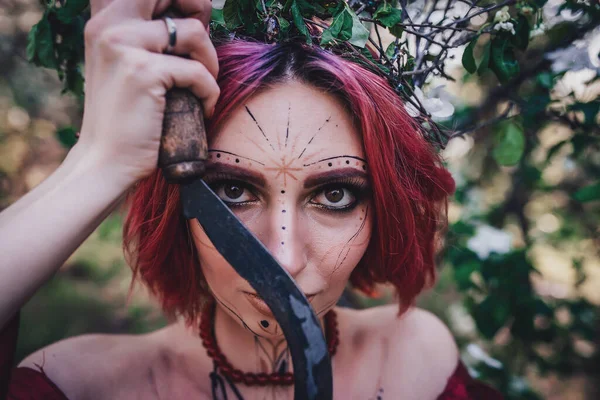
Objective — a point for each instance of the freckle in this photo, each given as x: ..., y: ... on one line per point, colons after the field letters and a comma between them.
x: 361, y: 218
x: 218, y: 155
x: 336, y: 125
x: 250, y: 164
x: 330, y: 164
x: 237, y: 160
x: 357, y: 163
x: 347, y: 161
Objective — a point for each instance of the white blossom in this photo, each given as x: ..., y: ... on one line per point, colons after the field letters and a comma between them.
x: 488, y: 239
x: 480, y: 355
x: 538, y: 30
x: 526, y: 10
x: 502, y: 15
x: 594, y: 48
x: 576, y: 82
x: 505, y: 26
x: 437, y: 103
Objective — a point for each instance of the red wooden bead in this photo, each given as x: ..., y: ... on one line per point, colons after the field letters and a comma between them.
x: 237, y: 374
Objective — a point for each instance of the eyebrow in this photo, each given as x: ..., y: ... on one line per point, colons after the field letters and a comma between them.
x: 253, y: 177
x: 325, y: 177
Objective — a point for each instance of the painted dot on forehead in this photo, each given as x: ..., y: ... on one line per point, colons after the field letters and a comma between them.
x: 282, y: 242
x: 365, y: 167
x: 237, y: 160
x: 283, y: 211
x: 330, y: 164
x: 218, y: 155
x: 264, y: 323
x: 283, y: 227
x: 347, y: 161
x: 283, y: 191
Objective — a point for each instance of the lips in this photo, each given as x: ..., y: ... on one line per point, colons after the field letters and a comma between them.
x: 261, y: 306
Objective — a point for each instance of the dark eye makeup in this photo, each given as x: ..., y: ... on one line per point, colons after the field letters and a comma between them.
x: 339, y: 195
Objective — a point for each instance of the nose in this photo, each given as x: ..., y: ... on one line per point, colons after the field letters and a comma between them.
x: 287, y: 240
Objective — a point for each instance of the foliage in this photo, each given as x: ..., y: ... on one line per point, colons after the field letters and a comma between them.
x: 534, y: 136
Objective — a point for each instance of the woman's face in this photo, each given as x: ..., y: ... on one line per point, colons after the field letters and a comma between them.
x: 291, y: 166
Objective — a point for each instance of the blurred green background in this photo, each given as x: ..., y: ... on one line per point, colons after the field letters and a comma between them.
x: 519, y: 239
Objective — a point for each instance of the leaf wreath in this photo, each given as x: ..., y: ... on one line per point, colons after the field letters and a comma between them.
x: 350, y: 29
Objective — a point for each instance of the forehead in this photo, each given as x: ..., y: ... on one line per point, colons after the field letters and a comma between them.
x: 292, y: 120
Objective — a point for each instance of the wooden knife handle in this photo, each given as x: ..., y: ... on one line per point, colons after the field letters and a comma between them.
x: 183, y: 146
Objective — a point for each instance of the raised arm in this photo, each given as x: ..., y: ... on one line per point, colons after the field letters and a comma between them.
x: 127, y: 76
x: 40, y: 231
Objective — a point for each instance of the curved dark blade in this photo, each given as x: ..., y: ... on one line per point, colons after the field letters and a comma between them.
x: 250, y: 258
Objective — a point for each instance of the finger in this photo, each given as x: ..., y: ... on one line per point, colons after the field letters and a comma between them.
x: 99, y: 5
x: 197, y: 9
x: 148, y: 9
x: 185, y: 73
x: 192, y: 39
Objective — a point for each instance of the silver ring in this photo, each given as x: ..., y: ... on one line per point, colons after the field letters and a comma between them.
x: 172, y: 30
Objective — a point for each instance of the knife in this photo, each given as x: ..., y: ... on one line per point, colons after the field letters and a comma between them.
x: 182, y: 154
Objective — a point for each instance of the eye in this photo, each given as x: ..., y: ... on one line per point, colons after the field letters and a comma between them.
x: 232, y: 192
x: 336, y: 197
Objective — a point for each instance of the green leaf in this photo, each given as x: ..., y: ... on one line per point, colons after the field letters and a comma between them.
x: 545, y: 79
x: 346, y: 31
x: 463, y: 272
x: 216, y: 15
x: 503, y: 61
x: 66, y: 136
x: 521, y: 36
x: 42, y: 52
x: 588, y: 193
x: 490, y: 315
x: 71, y: 10
x: 284, y: 24
x: 340, y: 28
x: 360, y: 34
x: 397, y: 30
x: 388, y: 15
x: 485, y: 58
x: 230, y: 14
x: 75, y: 81
x: 554, y: 149
x: 468, y: 61
x: 510, y: 144
x: 391, y: 50
x: 299, y: 21
x: 31, y: 43
x: 590, y: 110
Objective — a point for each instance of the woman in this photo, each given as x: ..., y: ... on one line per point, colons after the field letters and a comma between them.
x: 318, y: 159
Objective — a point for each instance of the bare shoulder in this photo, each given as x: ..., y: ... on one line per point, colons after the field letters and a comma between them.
x: 416, y: 328
x: 419, y: 351
x: 87, y: 366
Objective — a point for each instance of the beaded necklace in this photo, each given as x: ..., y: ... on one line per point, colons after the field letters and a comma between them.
x: 235, y: 375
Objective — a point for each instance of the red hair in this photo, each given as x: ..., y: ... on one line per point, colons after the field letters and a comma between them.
x: 410, y: 187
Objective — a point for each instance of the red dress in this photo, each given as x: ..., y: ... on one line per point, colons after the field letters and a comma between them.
x: 29, y: 384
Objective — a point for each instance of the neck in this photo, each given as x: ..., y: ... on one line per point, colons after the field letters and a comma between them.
x: 249, y: 350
